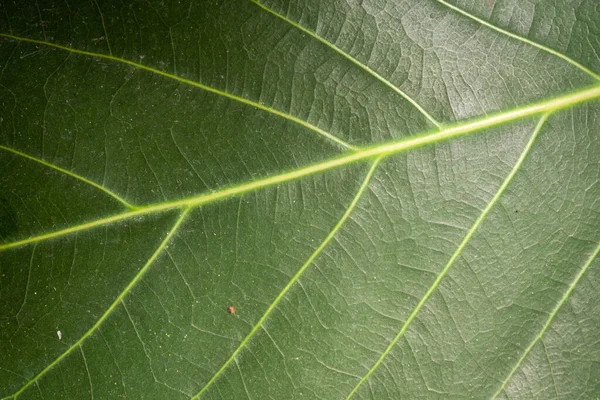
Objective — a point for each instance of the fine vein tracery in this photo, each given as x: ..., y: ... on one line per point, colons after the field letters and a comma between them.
x: 72, y: 174
x: 294, y: 278
x: 521, y: 39
x: 454, y: 256
x: 380, y: 152
x: 110, y: 309
x: 189, y: 82
x: 353, y: 61
x: 549, y: 320
x: 373, y: 155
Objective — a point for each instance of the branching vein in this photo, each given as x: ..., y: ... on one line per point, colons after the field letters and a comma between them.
x: 381, y: 150
x: 454, y: 256
x: 185, y: 81
x: 522, y: 39
x: 71, y: 174
x: 551, y: 317
x: 373, y: 154
x: 110, y: 309
x: 353, y: 61
x: 294, y: 278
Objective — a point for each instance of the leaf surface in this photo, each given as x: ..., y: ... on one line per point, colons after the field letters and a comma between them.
x: 400, y: 199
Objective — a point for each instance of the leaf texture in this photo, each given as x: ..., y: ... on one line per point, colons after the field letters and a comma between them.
x: 400, y: 199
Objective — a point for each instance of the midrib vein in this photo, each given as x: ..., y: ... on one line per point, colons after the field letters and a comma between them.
x: 521, y: 39
x: 110, y: 309
x: 352, y: 60
x: 551, y: 317
x: 454, y: 256
x: 189, y: 82
x: 294, y: 279
x: 382, y: 150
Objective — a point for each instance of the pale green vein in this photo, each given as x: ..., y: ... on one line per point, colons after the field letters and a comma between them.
x: 185, y: 81
x: 352, y: 60
x: 87, y: 370
x: 553, y: 314
x: 454, y: 256
x: 552, y: 374
x: 71, y: 174
x: 522, y: 39
x: 27, y: 283
x: 385, y: 149
x: 109, y: 310
x: 294, y: 278
x: 103, y: 26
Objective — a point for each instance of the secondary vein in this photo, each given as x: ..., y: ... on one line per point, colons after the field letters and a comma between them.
x: 353, y: 61
x: 454, y: 256
x: 228, y: 95
x: 551, y: 317
x: 109, y: 310
x: 294, y: 278
x: 71, y: 174
x: 522, y: 39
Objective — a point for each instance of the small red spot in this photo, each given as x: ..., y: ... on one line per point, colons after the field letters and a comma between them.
x: 231, y: 310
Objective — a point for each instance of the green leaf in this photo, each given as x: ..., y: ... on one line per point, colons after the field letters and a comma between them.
x: 400, y: 199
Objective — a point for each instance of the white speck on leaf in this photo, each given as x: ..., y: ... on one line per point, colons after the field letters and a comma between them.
x: 59, y: 333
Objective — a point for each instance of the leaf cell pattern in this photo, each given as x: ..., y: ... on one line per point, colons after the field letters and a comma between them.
x: 400, y: 198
